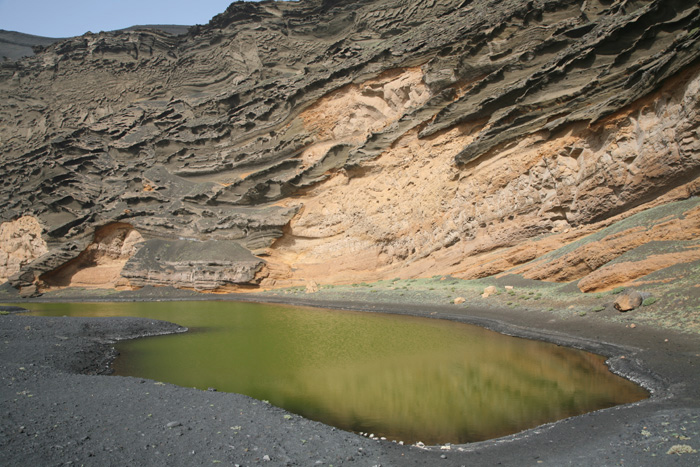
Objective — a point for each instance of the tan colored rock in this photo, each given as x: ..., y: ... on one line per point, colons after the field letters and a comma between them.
x: 627, y: 301
x: 312, y: 287
x: 624, y: 273
x: 588, y: 258
x: 28, y: 291
x: 459, y: 300
x: 20, y: 243
x: 490, y: 290
x: 351, y: 114
x: 101, y: 263
x: 392, y: 218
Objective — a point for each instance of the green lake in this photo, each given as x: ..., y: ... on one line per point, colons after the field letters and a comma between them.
x: 405, y: 378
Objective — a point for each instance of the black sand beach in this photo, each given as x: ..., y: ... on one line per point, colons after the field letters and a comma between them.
x: 60, y: 407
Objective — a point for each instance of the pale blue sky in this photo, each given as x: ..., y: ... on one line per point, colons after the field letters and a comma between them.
x: 65, y: 18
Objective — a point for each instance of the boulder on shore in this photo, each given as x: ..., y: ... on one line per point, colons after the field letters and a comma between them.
x: 628, y: 301
x: 312, y: 287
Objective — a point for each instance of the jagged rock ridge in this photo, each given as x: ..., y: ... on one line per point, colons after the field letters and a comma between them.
x: 357, y: 140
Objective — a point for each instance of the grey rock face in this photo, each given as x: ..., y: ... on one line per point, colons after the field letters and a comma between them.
x: 200, y: 136
x: 202, y: 266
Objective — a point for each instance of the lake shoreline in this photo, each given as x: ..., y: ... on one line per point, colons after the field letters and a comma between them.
x: 642, y: 433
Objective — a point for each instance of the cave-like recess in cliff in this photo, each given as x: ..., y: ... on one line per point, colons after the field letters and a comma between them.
x: 404, y: 378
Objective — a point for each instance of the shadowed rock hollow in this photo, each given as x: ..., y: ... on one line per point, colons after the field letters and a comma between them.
x: 348, y: 141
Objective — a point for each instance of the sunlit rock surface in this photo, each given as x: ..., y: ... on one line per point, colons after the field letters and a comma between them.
x: 345, y: 141
x: 20, y: 244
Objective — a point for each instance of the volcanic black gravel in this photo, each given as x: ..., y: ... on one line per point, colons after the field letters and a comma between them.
x: 58, y: 405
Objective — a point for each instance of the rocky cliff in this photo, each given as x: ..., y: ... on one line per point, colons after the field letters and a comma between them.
x: 357, y: 140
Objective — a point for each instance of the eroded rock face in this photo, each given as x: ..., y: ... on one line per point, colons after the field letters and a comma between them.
x: 204, y: 266
x: 412, y: 212
x: 20, y: 244
x: 101, y: 263
x: 345, y: 141
x: 595, y: 261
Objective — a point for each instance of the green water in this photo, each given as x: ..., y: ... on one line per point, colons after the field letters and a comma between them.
x: 406, y: 378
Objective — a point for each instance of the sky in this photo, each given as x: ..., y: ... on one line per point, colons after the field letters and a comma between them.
x: 66, y: 18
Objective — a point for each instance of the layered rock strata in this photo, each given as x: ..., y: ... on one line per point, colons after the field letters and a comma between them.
x: 355, y: 140
x: 101, y: 263
x: 203, y: 266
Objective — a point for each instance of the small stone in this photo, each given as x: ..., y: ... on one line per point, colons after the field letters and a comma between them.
x: 211, y: 389
x: 490, y: 290
x: 509, y: 287
x: 173, y: 424
x: 266, y: 458
x: 633, y: 325
x: 459, y: 300
x: 443, y: 456
x: 681, y: 449
x: 312, y: 287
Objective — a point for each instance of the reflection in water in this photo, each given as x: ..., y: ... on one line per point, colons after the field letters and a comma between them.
x: 401, y: 377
